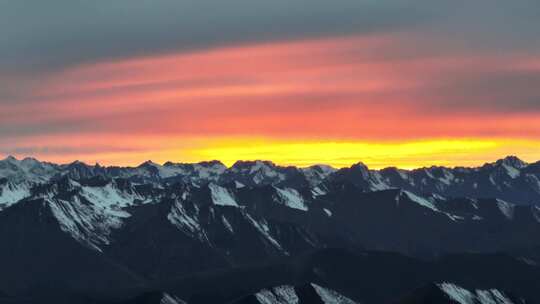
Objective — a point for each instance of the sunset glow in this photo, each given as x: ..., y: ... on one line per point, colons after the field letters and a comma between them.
x: 334, y: 100
x: 407, y: 155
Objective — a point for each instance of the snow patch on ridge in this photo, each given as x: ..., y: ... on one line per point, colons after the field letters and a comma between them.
x: 188, y: 223
x: 227, y: 224
x: 108, y: 196
x: 464, y: 296
x: 428, y: 204
x: 168, y: 299
x: 328, y: 212
x: 264, y: 229
x: 317, y: 191
x: 221, y: 196
x: 316, y: 174
x: 329, y: 296
x: 10, y: 194
x: 291, y: 198
x: 447, y: 178
x: 169, y: 171
x: 87, y: 223
x: 511, y: 171
x: 210, y: 172
x: 506, y: 209
x: 239, y: 185
x: 284, y: 294
x: 457, y: 293
x: 420, y: 200
x: 536, y: 213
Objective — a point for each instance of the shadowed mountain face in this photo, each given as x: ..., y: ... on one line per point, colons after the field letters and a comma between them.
x: 260, y: 233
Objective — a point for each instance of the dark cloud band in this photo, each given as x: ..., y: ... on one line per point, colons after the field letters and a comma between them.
x: 38, y: 34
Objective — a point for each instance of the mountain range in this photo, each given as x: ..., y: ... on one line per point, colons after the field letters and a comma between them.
x: 257, y: 232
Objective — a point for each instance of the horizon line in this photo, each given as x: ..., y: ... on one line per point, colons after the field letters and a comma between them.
x: 283, y: 165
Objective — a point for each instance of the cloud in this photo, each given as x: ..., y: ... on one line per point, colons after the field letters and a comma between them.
x: 308, y: 88
x: 38, y: 34
x: 507, y: 92
x: 64, y: 150
x: 38, y: 38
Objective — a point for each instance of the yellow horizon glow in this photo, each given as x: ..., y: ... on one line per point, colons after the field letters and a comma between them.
x: 376, y: 155
x: 405, y: 154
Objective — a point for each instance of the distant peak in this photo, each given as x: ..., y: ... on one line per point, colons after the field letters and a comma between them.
x: 250, y: 163
x: 360, y: 166
x: 211, y: 163
x: 148, y: 163
x: 322, y: 168
x: 30, y: 159
x: 513, y: 161
x: 11, y: 158
x: 392, y: 169
x: 77, y: 163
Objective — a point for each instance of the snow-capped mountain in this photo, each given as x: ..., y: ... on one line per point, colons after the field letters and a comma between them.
x: 509, y: 179
x: 451, y: 293
x: 463, y: 296
x: 27, y: 170
x: 285, y: 294
x: 150, y: 224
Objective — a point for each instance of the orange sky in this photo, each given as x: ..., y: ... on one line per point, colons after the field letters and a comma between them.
x: 336, y: 100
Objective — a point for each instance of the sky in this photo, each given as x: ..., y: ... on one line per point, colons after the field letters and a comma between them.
x: 299, y: 82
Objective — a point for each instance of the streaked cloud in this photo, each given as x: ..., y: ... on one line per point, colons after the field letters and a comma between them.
x: 37, y: 34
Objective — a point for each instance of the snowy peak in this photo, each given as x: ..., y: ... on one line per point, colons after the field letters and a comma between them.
x: 89, y: 211
x: 198, y: 172
x: 10, y: 158
x: 252, y: 166
x: 149, y: 168
x: 451, y: 293
x: 357, y: 175
x: 213, y: 165
x: 318, y: 173
x: 360, y: 166
x: 510, y: 166
x: 439, y: 174
x: 509, y: 179
x: 257, y: 172
x: 288, y: 294
x: 513, y: 162
x: 78, y: 170
x: 100, y: 191
x: 461, y: 295
x: 26, y: 170
x: 149, y: 163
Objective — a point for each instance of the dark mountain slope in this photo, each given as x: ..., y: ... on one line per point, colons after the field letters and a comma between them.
x: 38, y: 256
